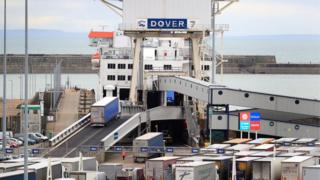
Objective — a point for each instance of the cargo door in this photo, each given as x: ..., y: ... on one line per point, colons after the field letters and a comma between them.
x: 184, y: 173
x: 97, y: 115
x: 257, y: 170
x: 266, y: 171
x: 290, y: 171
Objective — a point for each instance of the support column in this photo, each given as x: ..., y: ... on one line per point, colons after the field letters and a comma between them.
x: 196, y: 57
x: 135, y: 70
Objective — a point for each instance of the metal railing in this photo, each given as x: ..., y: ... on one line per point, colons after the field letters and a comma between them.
x: 69, y: 130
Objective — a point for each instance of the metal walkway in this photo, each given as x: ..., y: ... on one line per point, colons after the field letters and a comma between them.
x: 215, y: 94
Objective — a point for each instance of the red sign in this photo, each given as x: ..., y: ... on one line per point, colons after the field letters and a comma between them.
x: 244, y: 116
x: 255, y: 125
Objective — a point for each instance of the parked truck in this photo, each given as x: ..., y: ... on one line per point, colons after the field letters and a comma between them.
x: 147, y: 145
x: 104, y: 111
x: 195, y: 170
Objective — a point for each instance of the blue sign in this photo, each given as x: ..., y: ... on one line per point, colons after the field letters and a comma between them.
x: 220, y: 151
x: 9, y: 150
x: 167, y: 23
x: 169, y: 150
x: 255, y: 116
x: 311, y: 144
x: 244, y: 126
x: 118, y: 148
x: 93, y: 149
x: 287, y: 144
x: 195, y: 150
x: 35, y: 151
x: 115, y: 135
x: 144, y: 149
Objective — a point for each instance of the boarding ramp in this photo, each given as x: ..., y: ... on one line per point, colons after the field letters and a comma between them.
x: 217, y: 94
x: 84, y: 121
x: 155, y: 114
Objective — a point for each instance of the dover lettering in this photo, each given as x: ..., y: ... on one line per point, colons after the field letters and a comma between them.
x: 167, y: 23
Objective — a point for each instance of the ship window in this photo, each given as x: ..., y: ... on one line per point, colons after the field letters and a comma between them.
x: 121, y: 66
x: 121, y: 78
x: 111, y: 66
x: 130, y: 66
x: 148, y: 67
x: 111, y: 77
x: 129, y: 78
x: 205, y: 67
x: 167, y: 67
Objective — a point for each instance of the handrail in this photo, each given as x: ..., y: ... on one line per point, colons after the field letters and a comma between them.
x: 69, y: 130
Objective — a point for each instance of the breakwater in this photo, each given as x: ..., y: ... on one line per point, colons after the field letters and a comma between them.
x: 73, y: 64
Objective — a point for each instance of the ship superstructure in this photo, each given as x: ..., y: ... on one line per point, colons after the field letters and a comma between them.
x: 160, y: 56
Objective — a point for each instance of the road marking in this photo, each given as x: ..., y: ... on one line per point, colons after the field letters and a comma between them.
x: 72, y: 150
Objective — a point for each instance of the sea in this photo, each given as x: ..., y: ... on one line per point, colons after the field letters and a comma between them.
x: 304, y: 86
x: 286, y: 48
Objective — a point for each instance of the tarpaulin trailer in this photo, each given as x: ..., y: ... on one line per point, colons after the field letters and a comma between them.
x: 104, y: 111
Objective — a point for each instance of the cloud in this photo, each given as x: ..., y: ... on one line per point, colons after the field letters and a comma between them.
x: 245, y: 17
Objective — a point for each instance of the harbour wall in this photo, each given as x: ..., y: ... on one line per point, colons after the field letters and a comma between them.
x: 73, y: 64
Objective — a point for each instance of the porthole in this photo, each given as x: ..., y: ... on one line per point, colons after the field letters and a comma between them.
x: 297, y: 101
x: 271, y: 98
x: 296, y: 127
x: 219, y: 118
x: 271, y: 123
x: 220, y: 92
x: 246, y: 95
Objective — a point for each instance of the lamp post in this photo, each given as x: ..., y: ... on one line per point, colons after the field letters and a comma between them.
x: 4, y: 99
x: 213, y: 43
x: 25, y: 152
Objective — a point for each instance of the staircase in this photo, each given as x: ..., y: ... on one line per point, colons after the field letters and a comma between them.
x: 192, y: 123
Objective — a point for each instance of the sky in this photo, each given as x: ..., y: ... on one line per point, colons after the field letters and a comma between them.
x: 246, y: 17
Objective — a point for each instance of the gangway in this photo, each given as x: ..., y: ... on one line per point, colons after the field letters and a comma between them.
x: 282, y: 116
x: 218, y: 94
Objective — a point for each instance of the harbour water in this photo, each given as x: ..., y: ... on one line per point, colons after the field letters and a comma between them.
x: 305, y: 86
x: 286, y: 48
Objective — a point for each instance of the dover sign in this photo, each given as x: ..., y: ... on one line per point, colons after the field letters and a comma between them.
x: 163, y: 23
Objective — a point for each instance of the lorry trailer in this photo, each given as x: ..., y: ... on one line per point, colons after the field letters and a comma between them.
x: 104, y: 111
x: 147, y: 145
